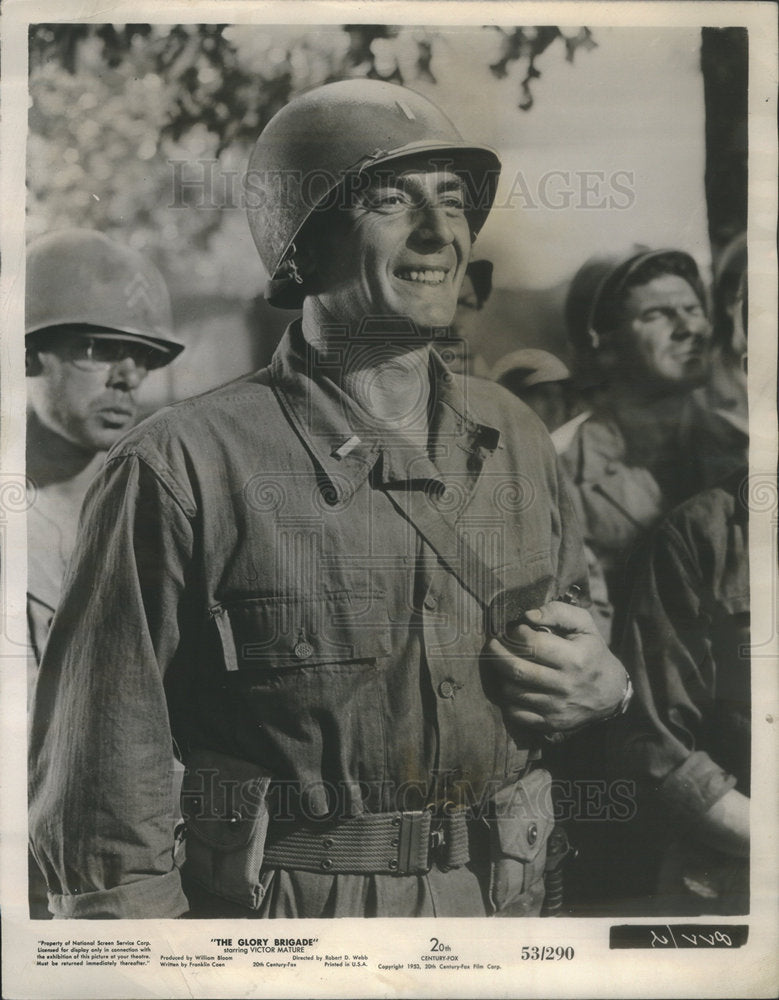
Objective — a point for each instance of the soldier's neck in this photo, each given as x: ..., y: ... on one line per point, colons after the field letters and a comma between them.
x: 650, y: 425
x: 58, y: 465
x: 631, y: 403
x: 390, y: 382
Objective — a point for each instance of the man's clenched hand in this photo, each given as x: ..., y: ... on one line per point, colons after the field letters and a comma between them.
x: 560, y: 680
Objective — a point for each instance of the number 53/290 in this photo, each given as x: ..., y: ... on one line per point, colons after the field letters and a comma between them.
x: 546, y: 952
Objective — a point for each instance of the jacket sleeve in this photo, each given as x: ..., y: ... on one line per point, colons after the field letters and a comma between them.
x: 101, y: 777
x: 667, y: 650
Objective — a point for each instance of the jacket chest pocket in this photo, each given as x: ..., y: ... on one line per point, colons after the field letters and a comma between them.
x: 306, y: 679
x: 288, y: 631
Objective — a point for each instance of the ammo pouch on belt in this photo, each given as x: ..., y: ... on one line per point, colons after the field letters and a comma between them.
x: 226, y: 814
x: 520, y: 824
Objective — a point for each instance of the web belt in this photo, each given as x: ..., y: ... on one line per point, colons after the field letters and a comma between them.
x: 399, y: 843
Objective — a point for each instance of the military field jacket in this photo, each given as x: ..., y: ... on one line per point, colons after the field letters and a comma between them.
x: 245, y: 582
x: 687, y: 646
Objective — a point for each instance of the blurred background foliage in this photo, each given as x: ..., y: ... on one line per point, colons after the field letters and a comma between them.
x: 129, y: 123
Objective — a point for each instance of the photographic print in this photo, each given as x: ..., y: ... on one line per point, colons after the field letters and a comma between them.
x: 389, y: 500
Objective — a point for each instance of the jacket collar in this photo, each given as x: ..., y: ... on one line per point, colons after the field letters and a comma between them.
x: 346, y: 448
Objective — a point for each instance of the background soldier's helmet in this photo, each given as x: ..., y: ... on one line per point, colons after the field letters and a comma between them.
x: 600, y: 282
x: 78, y: 278
x: 339, y: 131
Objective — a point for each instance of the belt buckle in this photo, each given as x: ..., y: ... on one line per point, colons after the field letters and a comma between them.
x: 414, y: 843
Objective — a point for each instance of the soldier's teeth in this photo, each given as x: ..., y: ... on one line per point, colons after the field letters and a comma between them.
x: 426, y: 277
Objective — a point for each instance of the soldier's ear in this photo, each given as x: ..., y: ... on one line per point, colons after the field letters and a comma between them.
x: 32, y: 363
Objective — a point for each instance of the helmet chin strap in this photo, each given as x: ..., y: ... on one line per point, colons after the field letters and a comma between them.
x: 293, y: 269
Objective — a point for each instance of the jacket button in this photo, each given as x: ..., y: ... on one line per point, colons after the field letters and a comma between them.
x: 392, y: 865
x: 431, y: 602
x: 446, y: 689
x: 532, y: 834
x: 327, y: 842
x: 327, y: 864
x: 303, y: 650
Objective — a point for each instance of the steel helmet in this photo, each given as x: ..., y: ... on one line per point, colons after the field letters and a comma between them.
x: 601, y: 279
x: 338, y: 130
x: 78, y: 277
x: 534, y: 365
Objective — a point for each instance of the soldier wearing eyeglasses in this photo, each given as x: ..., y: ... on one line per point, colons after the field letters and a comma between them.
x: 98, y: 319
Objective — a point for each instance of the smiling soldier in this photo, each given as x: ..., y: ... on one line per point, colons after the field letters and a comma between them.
x: 324, y: 582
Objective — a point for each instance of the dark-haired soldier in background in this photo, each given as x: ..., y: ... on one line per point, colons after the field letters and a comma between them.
x: 642, y: 339
x: 641, y: 323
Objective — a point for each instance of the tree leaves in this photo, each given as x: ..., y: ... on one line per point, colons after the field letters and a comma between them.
x: 529, y: 43
x: 132, y: 126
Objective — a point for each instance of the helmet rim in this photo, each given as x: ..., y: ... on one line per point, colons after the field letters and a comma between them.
x: 170, y: 348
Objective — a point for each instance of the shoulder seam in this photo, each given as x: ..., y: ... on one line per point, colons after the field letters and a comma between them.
x: 169, y: 484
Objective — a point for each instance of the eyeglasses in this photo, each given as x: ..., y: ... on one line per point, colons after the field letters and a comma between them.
x: 92, y: 354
